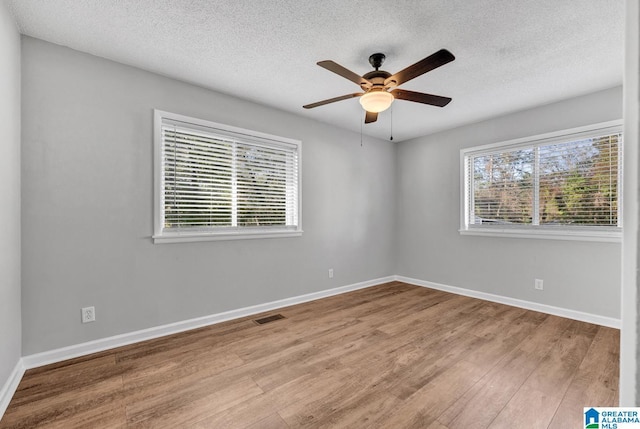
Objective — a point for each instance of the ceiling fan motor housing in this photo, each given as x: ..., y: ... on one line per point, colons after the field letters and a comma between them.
x: 377, y: 78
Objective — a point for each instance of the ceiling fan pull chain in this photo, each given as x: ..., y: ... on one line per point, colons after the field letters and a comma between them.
x: 391, y: 133
x: 361, y: 130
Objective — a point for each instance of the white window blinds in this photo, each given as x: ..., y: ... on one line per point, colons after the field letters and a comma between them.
x: 565, y: 182
x: 217, y: 181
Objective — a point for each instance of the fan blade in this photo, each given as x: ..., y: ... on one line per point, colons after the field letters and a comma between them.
x: 433, y: 61
x: 332, y: 100
x: 346, y: 73
x: 419, y: 97
x: 370, y: 117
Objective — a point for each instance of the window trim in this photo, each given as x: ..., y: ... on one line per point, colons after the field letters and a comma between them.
x: 231, y: 233
x: 593, y: 233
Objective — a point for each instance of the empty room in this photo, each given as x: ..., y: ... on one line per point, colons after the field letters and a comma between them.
x: 339, y: 214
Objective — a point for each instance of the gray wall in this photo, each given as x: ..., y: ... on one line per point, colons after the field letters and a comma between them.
x: 10, y: 330
x: 583, y: 276
x: 87, y: 205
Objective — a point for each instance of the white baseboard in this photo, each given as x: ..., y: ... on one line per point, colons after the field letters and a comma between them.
x: 10, y: 387
x: 77, y: 350
x: 70, y: 352
x: 543, y: 308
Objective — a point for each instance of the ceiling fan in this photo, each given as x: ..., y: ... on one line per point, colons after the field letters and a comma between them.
x: 378, y: 84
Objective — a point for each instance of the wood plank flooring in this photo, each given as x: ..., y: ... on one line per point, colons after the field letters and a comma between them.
x: 390, y: 356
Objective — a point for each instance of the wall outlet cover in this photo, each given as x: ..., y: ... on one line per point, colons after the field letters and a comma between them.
x: 88, y: 314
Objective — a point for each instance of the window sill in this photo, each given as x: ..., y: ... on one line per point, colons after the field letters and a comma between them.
x: 186, y: 237
x: 581, y: 235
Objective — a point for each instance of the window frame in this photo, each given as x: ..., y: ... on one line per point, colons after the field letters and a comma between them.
x: 555, y: 232
x: 219, y: 233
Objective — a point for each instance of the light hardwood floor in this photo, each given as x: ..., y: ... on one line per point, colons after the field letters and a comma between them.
x: 390, y: 356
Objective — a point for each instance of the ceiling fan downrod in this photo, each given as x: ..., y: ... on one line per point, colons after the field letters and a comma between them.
x: 376, y: 60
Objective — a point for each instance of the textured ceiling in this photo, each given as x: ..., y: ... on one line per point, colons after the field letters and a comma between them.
x: 510, y: 55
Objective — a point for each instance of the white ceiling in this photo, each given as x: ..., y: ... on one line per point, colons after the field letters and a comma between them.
x: 510, y: 55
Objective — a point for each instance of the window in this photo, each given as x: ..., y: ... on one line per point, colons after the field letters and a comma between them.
x: 564, y: 185
x: 219, y: 182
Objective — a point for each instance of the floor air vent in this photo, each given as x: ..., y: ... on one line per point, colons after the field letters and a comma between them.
x: 269, y: 319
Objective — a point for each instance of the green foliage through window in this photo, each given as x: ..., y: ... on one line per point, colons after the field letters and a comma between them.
x: 563, y: 182
x: 216, y: 181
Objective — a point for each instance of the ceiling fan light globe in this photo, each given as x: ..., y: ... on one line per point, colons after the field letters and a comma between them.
x: 376, y: 101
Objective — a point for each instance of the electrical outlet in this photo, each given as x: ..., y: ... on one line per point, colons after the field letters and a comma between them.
x: 538, y: 284
x: 88, y: 314
x: 330, y: 273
